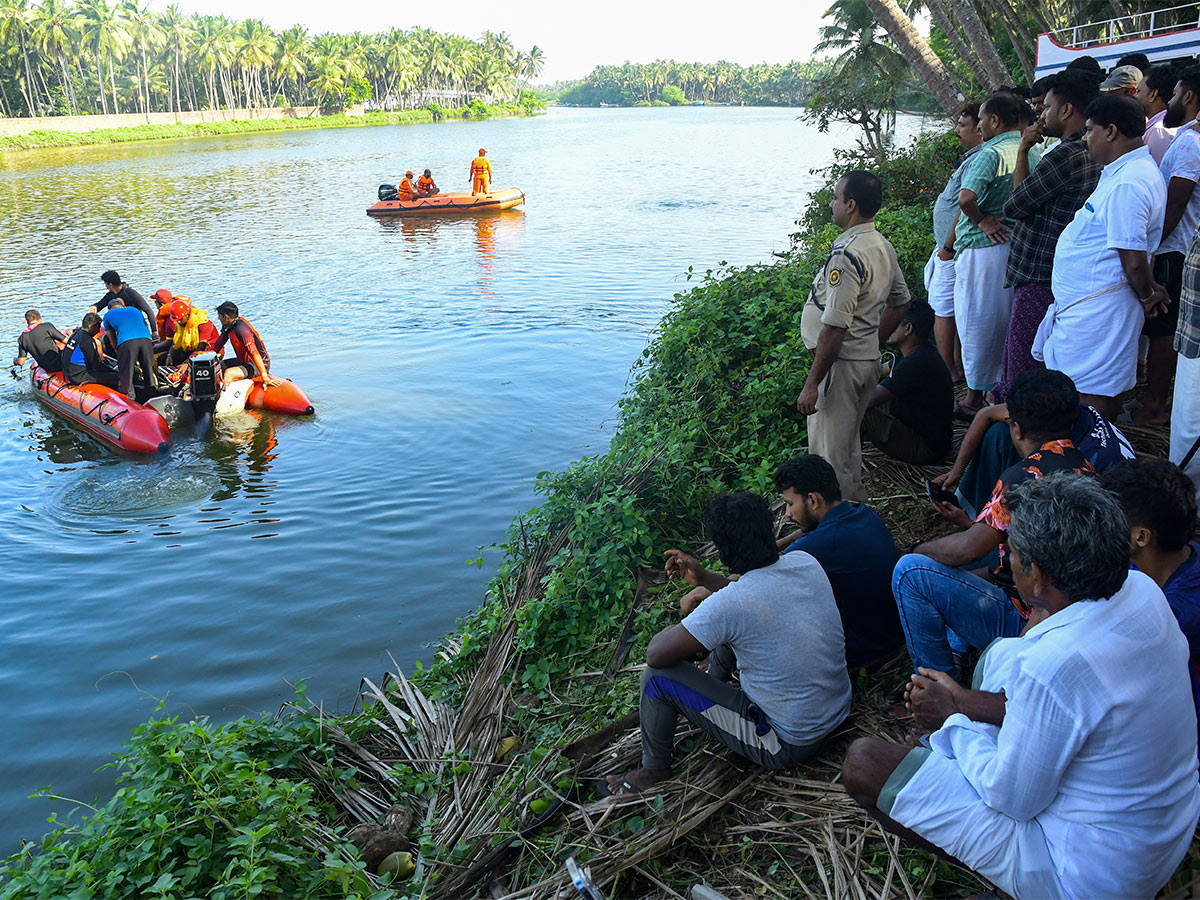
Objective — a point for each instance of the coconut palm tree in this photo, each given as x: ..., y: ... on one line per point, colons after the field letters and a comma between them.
x: 54, y: 34
x: 177, y: 38
x: 145, y: 36
x: 291, y: 62
x: 105, y: 38
x: 255, y: 50
x: 15, y: 16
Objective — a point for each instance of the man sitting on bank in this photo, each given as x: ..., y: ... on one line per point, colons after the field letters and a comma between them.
x: 780, y: 620
x: 910, y: 416
x: 81, y: 359
x: 855, y: 550
x: 1160, y: 505
x: 987, y: 450
x: 251, y: 357
x: 932, y: 591
x: 39, y: 340
x: 1071, y: 772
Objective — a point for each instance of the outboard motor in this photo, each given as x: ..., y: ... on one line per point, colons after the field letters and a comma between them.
x: 177, y: 412
x: 388, y: 192
x: 204, y: 379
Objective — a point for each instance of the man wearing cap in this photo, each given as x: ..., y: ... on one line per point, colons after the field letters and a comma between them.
x: 117, y: 288
x: 251, y: 354
x: 162, y: 301
x: 481, y: 173
x: 406, y: 188
x: 857, y: 299
x: 1122, y: 80
x: 426, y: 186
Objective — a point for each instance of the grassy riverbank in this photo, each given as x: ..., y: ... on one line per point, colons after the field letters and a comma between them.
x: 431, y: 113
x: 484, y: 745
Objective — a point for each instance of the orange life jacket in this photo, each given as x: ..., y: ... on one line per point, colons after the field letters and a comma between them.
x: 481, y: 167
x: 425, y: 184
x: 406, y: 187
x: 241, y: 351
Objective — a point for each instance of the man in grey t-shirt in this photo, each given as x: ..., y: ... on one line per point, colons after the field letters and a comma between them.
x: 780, y: 620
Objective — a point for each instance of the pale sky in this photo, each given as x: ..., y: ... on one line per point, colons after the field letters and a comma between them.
x: 576, y: 37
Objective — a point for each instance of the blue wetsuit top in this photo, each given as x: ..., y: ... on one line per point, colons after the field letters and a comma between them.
x: 126, y: 323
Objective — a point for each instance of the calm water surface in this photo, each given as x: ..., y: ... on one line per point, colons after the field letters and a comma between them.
x: 449, y: 361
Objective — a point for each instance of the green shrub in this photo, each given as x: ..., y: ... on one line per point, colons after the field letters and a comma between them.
x: 673, y: 95
x: 201, y: 810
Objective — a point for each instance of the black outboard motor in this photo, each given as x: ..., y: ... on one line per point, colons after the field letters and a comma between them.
x: 204, y: 378
x: 388, y: 192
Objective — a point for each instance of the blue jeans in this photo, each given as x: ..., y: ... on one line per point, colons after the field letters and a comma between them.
x: 933, y: 597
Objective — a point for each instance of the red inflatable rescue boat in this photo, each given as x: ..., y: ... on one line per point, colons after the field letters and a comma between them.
x: 104, y: 412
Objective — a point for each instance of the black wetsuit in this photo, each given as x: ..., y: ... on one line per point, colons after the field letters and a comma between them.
x: 39, y: 342
x: 134, y: 299
x: 82, y: 363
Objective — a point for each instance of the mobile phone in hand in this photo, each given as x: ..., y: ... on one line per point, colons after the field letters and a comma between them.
x: 939, y: 494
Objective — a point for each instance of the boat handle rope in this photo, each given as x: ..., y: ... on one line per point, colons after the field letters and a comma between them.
x: 62, y: 387
x: 92, y: 411
x: 108, y: 420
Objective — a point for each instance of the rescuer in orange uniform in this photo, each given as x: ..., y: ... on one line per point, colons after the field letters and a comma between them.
x: 481, y: 173
x: 406, y: 189
x: 426, y: 186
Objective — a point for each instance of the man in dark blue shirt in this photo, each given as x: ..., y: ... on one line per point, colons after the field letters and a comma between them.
x: 134, y: 345
x: 854, y: 548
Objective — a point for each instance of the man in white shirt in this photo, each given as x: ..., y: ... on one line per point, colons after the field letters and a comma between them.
x: 1102, y: 281
x: 1071, y: 770
x: 1154, y: 91
x: 1180, y: 170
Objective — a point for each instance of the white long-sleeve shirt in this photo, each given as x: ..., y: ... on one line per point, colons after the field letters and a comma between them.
x: 1098, y: 743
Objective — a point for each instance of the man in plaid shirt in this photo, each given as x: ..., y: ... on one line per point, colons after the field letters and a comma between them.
x: 1042, y: 204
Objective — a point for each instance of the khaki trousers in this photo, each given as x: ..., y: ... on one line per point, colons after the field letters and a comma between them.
x: 833, y: 430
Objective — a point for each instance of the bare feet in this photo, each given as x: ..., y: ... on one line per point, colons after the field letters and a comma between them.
x: 636, y: 781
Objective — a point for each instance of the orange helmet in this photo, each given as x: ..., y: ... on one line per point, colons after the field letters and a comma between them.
x: 180, y: 309
x: 482, y: 151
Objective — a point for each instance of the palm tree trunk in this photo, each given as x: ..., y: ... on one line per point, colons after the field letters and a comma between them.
x: 938, y: 12
x: 112, y: 83
x: 1014, y: 20
x: 1026, y: 63
x: 933, y: 72
x: 981, y: 41
x: 30, y: 84
x: 100, y: 86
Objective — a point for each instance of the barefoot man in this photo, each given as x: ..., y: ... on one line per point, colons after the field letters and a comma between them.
x: 778, y: 619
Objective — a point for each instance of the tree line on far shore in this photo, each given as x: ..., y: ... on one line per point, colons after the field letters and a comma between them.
x: 667, y: 82
x: 94, y: 56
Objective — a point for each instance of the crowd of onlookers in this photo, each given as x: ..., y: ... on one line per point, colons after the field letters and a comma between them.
x: 1054, y: 632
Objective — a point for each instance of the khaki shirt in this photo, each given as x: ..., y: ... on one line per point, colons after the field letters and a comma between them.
x: 858, y: 280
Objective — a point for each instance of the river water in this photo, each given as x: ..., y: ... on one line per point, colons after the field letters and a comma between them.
x: 449, y: 362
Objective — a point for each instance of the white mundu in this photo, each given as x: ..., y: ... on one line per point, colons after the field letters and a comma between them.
x: 1091, y: 329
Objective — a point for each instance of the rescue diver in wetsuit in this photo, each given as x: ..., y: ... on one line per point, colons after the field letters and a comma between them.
x: 248, y: 347
x: 39, y: 340
x: 117, y: 289
x: 81, y: 359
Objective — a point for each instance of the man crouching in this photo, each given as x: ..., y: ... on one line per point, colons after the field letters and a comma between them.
x: 1071, y: 771
x: 781, y: 623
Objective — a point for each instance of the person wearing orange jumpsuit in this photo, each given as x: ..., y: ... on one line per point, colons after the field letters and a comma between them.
x: 481, y: 173
x: 406, y: 189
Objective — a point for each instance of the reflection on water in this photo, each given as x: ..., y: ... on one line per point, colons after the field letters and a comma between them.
x: 449, y: 360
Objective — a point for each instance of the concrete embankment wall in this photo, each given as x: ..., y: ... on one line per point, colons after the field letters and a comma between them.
x: 12, y: 127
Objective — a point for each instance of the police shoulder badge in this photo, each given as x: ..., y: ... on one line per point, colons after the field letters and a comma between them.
x: 835, y: 277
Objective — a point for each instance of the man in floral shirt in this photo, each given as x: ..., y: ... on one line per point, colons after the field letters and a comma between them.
x: 934, y: 589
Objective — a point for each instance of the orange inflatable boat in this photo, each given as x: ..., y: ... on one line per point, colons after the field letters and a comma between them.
x: 283, y: 396
x: 104, y: 412
x: 444, y: 204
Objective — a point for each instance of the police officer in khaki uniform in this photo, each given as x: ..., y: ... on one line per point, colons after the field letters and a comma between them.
x: 856, y: 301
